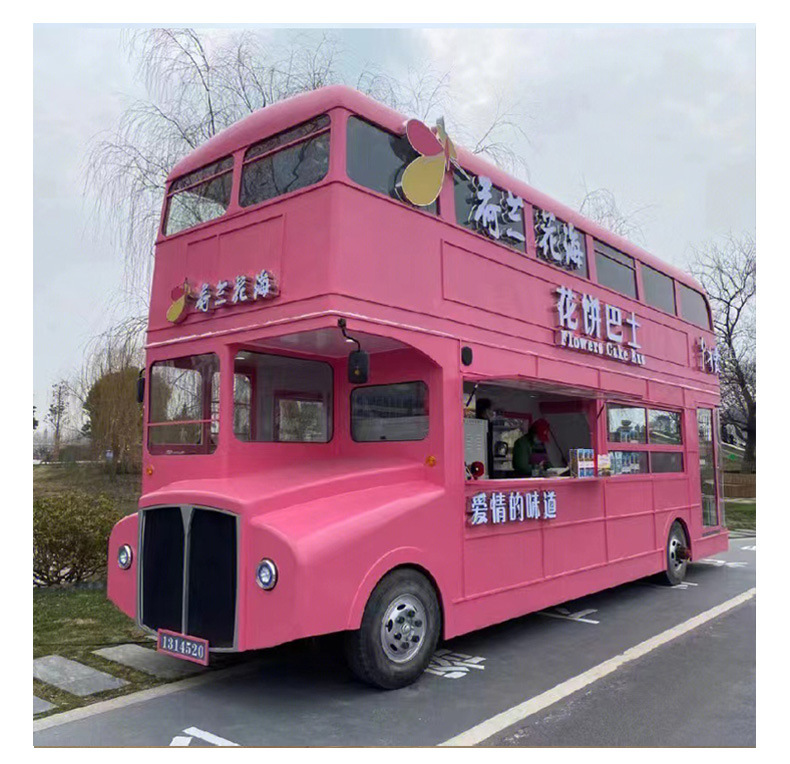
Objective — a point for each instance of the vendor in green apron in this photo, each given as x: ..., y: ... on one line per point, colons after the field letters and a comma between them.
x: 530, y: 449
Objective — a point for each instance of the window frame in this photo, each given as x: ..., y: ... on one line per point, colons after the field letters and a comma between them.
x: 403, y: 203
x: 206, y: 447
x: 252, y: 371
x: 680, y: 287
x: 647, y: 447
x: 390, y: 384
x: 602, y: 249
x: 246, y: 161
x: 171, y: 192
x: 644, y: 268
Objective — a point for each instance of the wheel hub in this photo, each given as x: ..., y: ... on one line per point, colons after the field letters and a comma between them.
x: 403, y: 628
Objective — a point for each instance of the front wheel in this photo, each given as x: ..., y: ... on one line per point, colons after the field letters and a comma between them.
x: 399, y: 631
x: 677, y: 555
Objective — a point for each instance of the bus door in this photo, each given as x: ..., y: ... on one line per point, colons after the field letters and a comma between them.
x: 706, y: 419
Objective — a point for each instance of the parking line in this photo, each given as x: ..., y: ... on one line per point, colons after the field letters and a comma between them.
x: 495, y: 724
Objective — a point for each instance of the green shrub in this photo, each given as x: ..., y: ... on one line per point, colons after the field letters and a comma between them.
x: 70, y: 535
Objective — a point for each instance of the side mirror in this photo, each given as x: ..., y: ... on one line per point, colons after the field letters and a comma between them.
x: 358, y: 367
x: 141, y: 386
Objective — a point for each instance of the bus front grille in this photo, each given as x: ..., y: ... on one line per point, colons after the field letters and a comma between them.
x: 188, y: 572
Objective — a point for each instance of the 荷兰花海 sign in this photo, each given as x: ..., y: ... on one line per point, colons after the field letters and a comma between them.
x: 242, y: 290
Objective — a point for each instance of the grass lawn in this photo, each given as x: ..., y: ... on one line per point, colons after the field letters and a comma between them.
x: 741, y: 515
x: 124, y: 490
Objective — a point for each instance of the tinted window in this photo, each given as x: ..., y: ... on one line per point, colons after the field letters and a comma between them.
x: 507, y: 226
x: 666, y: 461
x: 693, y: 307
x: 376, y: 159
x: 270, y: 171
x: 626, y: 424
x: 201, y: 196
x: 281, y: 399
x: 615, y: 270
x: 664, y: 427
x: 390, y: 412
x: 559, y: 243
x: 659, y: 290
x: 181, y: 419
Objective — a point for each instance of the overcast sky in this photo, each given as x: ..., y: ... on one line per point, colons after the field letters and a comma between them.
x: 664, y: 117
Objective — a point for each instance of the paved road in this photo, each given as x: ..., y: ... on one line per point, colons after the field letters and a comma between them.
x: 696, y: 690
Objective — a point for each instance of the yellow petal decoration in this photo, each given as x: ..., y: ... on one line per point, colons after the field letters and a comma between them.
x: 422, y: 180
x: 177, y: 310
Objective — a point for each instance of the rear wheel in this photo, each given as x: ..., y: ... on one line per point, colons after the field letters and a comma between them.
x: 399, y: 631
x: 677, y: 555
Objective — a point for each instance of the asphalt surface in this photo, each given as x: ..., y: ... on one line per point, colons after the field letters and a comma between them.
x: 698, y: 690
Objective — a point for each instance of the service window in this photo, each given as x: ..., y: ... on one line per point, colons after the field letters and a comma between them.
x: 626, y: 424
x: 659, y: 290
x: 615, y: 269
x: 376, y: 159
x: 286, y: 162
x: 280, y: 399
x: 693, y: 307
x: 201, y: 196
x: 181, y: 418
x: 390, y: 412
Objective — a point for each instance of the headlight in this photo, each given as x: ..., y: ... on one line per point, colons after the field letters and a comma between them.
x: 266, y: 574
x: 124, y: 557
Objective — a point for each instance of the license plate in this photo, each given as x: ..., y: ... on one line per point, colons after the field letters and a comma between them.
x: 182, y: 646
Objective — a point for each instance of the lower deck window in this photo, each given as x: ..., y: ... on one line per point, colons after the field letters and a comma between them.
x: 628, y: 462
x: 181, y: 418
x: 390, y: 412
x: 666, y: 461
x: 281, y: 399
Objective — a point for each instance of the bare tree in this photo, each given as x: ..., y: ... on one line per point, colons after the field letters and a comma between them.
x: 727, y: 269
x: 600, y: 206
x: 199, y: 84
x: 58, y: 414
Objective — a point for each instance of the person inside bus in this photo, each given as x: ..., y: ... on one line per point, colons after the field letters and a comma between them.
x: 530, y: 451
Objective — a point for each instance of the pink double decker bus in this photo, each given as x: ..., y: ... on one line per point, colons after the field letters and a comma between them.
x: 393, y: 392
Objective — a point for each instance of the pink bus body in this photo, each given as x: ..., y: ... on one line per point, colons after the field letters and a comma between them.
x: 434, y: 302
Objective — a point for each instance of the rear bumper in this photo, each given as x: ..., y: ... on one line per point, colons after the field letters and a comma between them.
x: 714, y: 543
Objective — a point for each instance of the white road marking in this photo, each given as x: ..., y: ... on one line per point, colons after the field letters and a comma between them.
x: 450, y: 665
x: 681, y: 586
x: 180, y: 741
x: 749, y: 548
x: 209, y: 737
x: 518, y: 713
x: 722, y: 563
x: 565, y: 614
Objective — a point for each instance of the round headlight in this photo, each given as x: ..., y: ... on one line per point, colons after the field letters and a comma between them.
x: 266, y: 574
x: 124, y: 557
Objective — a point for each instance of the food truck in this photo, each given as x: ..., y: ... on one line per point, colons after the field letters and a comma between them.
x: 394, y: 392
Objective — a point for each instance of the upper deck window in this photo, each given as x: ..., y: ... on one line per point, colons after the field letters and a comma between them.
x: 693, y: 307
x: 286, y: 162
x: 615, y: 269
x: 376, y: 159
x: 201, y: 196
x: 484, y: 208
x: 659, y: 290
x: 559, y: 243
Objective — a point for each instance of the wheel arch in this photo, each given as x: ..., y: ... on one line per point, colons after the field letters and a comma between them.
x: 401, y: 559
x: 683, y: 523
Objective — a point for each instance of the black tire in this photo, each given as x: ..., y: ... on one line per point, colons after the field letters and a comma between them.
x: 378, y: 652
x: 676, y: 567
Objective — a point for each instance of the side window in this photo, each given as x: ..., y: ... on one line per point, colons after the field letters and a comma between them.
x: 615, y: 269
x: 693, y: 307
x: 663, y: 428
x: 659, y: 290
x: 270, y: 170
x: 376, y: 159
x: 390, y: 412
x: 201, y: 196
x: 626, y: 424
